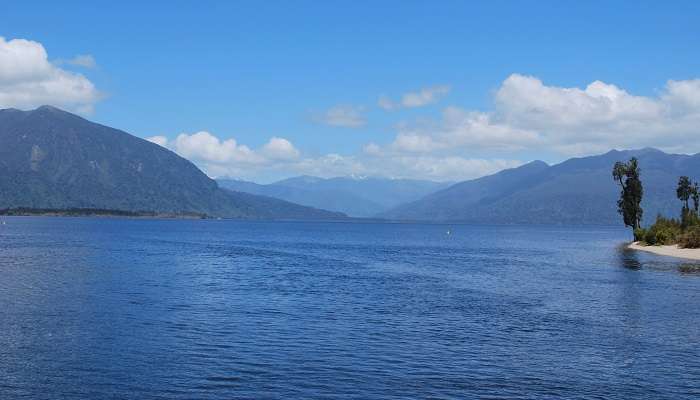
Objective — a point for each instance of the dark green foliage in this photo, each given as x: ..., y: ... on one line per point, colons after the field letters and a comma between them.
x: 686, y: 231
x: 690, y: 239
x: 650, y: 237
x: 689, y: 218
x: 629, y: 204
x: 640, y: 234
x: 684, y: 190
x: 663, y: 231
x: 94, y: 212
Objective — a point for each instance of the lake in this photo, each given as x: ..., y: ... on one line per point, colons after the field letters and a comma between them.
x: 205, y: 309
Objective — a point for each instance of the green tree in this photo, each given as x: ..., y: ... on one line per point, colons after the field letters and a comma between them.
x: 630, y: 203
x: 695, y: 194
x: 684, y: 191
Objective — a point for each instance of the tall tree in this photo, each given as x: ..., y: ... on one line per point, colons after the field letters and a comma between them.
x: 630, y: 202
x: 684, y: 191
x: 695, y: 193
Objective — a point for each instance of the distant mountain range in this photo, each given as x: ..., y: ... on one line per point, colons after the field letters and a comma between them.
x: 576, y: 191
x: 357, y: 197
x: 52, y: 159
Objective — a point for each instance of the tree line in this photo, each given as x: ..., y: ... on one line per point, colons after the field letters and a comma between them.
x: 684, y: 231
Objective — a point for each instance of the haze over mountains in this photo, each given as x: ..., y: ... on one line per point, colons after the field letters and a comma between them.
x: 357, y: 197
x: 576, y: 191
x: 50, y: 158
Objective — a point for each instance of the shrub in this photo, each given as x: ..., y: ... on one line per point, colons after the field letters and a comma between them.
x: 639, y: 234
x: 666, y: 236
x: 663, y: 231
x: 691, y: 238
x: 650, y: 236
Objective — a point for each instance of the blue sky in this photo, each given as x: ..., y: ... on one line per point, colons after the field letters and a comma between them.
x: 253, y: 71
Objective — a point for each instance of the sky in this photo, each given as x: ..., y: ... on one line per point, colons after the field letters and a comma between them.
x: 446, y: 91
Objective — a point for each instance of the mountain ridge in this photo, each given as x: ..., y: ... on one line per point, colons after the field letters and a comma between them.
x: 576, y: 191
x: 52, y: 159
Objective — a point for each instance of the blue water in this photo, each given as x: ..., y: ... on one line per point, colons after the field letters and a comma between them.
x: 172, y: 309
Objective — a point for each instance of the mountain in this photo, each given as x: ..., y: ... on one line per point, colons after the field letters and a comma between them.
x: 357, y: 197
x: 53, y: 159
x: 326, y: 199
x: 576, y: 191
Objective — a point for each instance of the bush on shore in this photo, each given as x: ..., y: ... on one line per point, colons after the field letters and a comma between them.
x: 690, y: 239
x: 667, y: 231
x: 663, y: 231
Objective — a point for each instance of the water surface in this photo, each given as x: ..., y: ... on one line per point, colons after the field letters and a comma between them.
x: 172, y: 309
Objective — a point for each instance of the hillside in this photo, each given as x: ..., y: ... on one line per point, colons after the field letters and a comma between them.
x: 357, y: 197
x: 52, y: 159
x: 576, y: 191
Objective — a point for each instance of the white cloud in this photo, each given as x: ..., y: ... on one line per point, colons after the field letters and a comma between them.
x: 279, y: 158
x: 461, y: 129
x: 226, y: 157
x: 328, y: 165
x: 443, y: 168
x: 342, y: 116
x: 280, y: 149
x: 526, y: 102
x: 528, y: 117
x: 372, y: 149
x: 396, y: 165
x: 206, y: 148
x: 29, y: 80
x: 683, y: 96
x: 159, y: 140
x: 601, y: 115
x: 420, y: 98
x: 531, y: 116
x: 415, y: 143
x: 81, y: 60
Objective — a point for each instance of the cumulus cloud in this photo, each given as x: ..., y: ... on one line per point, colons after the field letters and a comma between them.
x: 342, y: 116
x: 420, y: 98
x: 226, y: 157
x: 28, y: 80
x: 208, y: 149
x: 530, y: 115
x: 280, y: 149
x: 464, y: 129
x: 278, y: 158
x: 601, y: 114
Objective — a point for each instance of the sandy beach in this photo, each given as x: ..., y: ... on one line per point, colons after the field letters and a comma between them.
x: 671, y: 251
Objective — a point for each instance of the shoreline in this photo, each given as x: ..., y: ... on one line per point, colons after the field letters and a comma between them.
x: 667, y: 250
